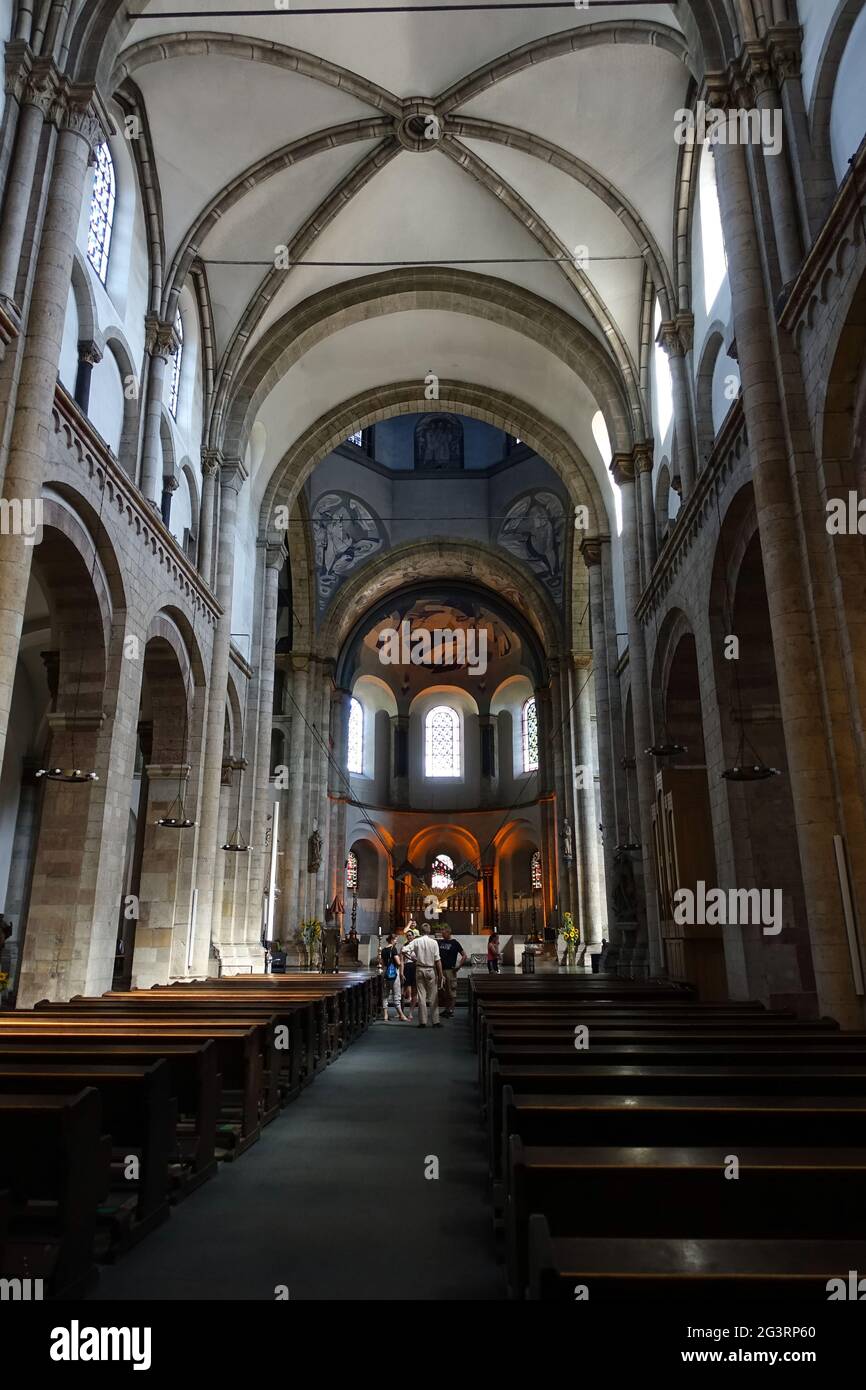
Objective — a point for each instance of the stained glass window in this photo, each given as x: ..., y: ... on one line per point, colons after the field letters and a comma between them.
x: 442, y: 872
x: 530, y: 736
x: 101, y: 212
x: 352, y: 872
x: 536, y: 869
x: 175, y: 376
x: 442, y: 729
x: 355, y: 761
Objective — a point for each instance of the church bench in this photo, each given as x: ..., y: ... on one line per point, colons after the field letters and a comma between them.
x: 357, y: 994
x: 721, y: 1078
x: 506, y: 989
x: 628, y: 1118
x: 140, y: 1115
x: 54, y: 1161
x: 543, y: 1027
x: 305, y: 1021
x: 722, y: 1271
x: 668, y: 1193
x: 648, y: 1050
x: 195, y: 1084
x: 242, y: 1057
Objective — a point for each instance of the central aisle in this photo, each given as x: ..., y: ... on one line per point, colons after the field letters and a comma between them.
x: 333, y: 1201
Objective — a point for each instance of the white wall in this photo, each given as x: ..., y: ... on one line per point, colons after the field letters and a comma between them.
x: 848, y: 112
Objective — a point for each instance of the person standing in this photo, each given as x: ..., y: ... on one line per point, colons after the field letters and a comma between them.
x: 494, y: 954
x: 424, y: 952
x: 391, y: 962
x: 409, y: 991
x: 452, y: 956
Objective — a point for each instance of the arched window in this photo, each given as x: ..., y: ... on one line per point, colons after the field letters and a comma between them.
x: 712, y: 235
x: 102, y: 201
x: 355, y: 761
x: 442, y: 729
x: 530, y: 736
x: 175, y: 373
x: 536, y: 869
x: 442, y: 872
x: 352, y: 872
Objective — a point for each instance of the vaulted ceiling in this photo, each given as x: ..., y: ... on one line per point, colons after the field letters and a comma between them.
x: 551, y: 131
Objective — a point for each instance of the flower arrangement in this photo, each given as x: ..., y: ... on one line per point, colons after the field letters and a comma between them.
x: 570, y: 933
x: 4, y: 980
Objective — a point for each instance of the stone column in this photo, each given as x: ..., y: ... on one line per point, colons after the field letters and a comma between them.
x: 617, y: 726
x: 37, y: 85
x: 623, y: 471
x: 487, y: 728
x: 675, y: 337
x: 759, y: 74
x: 273, y: 557
x: 643, y: 460
x: 170, y: 486
x: 89, y: 355
x: 161, y: 343
x: 399, y: 760
x: 591, y: 551
x: 586, y: 804
x: 232, y: 477
x: 296, y: 852
x: 162, y: 848
x: 210, y: 465
x: 576, y: 870
x: 789, y: 605
x: 82, y: 129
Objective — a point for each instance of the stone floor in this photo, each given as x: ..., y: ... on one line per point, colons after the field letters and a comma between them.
x: 333, y: 1201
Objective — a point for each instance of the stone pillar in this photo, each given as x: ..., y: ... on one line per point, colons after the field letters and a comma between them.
x: 586, y: 804
x: 399, y: 788
x: 296, y: 852
x: 487, y: 728
x: 21, y: 863
x: 790, y: 609
x: 151, y: 962
x: 210, y: 465
x: 675, y: 336
x: 161, y: 343
x: 89, y: 355
x: 82, y: 129
x: 232, y: 477
x: 759, y: 80
x: 591, y: 551
x: 36, y: 84
x: 170, y: 486
x: 623, y: 471
x: 617, y: 725
x: 643, y: 461
x: 274, y: 557
x: 562, y: 732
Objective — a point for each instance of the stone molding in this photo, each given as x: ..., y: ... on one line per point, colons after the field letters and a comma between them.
x: 160, y: 338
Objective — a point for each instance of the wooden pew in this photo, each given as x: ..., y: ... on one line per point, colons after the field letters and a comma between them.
x: 195, y: 1085
x: 243, y: 1057
x: 622, y: 1268
x: 690, y: 1120
x: 650, y: 1193
x: 719, y: 1078
x: 139, y: 1113
x: 54, y: 1161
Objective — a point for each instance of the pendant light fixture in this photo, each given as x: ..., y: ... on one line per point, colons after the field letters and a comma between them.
x: 75, y: 775
x: 749, y: 766
x: 236, y: 844
x: 629, y: 845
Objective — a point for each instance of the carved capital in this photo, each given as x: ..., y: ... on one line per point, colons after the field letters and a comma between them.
x: 160, y: 339
x: 717, y: 94
x: 643, y: 456
x: 89, y: 351
x: 275, y: 556
x: 755, y: 71
x: 785, y: 45
x: 669, y: 338
x: 80, y: 110
x: 210, y: 462
x: 686, y: 330
x: 233, y: 474
x: 18, y: 58
x: 590, y: 549
x: 170, y: 484
x: 622, y: 469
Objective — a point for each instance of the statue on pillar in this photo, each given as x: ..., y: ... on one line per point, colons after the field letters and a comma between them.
x: 567, y: 841
x: 314, y: 850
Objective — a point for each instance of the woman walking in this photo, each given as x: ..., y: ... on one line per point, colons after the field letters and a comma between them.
x: 391, y: 962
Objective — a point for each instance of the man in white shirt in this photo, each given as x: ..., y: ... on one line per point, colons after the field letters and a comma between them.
x: 424, y: 950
